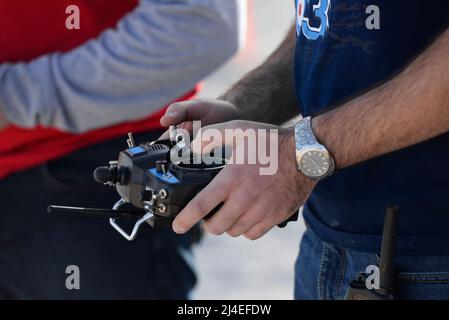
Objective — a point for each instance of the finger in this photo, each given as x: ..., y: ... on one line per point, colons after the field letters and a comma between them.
x: 185, y: 125
x: 260, y: 229
x: 268, y: 222
x: 234, y: 207
x: 246, y: 222
x: 183, y: 111
x: 200, y: 206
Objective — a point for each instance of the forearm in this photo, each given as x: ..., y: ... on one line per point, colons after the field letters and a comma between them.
x: 410, y: 108
x: 267, y: 94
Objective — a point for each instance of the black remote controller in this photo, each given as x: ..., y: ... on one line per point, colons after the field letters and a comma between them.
x: 158, y: 188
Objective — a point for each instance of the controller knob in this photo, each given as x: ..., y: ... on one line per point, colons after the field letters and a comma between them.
x: 163, y: 194
x: 162, y: 166
x: 105, y: 175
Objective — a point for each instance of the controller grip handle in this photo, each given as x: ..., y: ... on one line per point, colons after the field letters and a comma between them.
x: 292, y: 218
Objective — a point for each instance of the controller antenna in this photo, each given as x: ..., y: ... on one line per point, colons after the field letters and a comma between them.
x: 387, y: 254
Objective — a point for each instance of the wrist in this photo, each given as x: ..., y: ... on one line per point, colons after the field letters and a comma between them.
x: 320, y: 126
x: 287, y: 141
x: 288, y: 165
x: 287, y: 150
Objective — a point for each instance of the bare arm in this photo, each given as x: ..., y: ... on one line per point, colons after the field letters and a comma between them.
x: 410, y: 108
x: 267, y: 94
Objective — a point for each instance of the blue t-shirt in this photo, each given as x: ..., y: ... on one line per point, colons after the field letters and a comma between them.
x: 345, y: 47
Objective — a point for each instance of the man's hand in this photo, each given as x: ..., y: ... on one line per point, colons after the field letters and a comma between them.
x: 208, y: 111
x: 253, y: 203
x: 3, y: 120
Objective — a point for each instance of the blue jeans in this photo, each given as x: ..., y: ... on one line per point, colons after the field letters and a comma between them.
x: 324, y: 271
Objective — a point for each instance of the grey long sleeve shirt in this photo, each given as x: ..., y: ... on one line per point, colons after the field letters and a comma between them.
x: 157, y: 53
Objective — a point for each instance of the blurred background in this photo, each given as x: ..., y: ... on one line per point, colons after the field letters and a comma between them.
x: 239, y: 268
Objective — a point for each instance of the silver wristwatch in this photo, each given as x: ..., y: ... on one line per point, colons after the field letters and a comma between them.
x: 313, y: 159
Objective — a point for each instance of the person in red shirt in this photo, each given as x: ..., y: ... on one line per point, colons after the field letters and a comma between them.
x: 67, y: 99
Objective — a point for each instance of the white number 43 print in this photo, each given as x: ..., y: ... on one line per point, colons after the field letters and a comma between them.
x: 319, y: 10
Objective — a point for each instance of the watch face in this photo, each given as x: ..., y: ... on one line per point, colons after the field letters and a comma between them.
x: 315, y: 163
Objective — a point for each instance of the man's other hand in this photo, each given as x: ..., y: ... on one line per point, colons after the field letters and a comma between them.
x: 208, y: 111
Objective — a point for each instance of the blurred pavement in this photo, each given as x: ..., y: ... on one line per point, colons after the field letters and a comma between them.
x: 239, y: 268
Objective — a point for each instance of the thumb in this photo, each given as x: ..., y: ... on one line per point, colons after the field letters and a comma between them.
x: 175, y: 114
x: 184, y: 111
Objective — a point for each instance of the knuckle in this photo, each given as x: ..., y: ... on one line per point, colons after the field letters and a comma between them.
x: 199, y: 207
x: 219, y: 190
x: 240, y: 199
x: 255, y: 233
x: 252, y: 235
x: 228, y: 180
x: 213, y: 229
x: 234, y: 232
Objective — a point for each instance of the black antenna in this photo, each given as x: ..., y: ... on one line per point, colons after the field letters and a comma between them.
x: 387, y: 253
x: 95, y: 212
